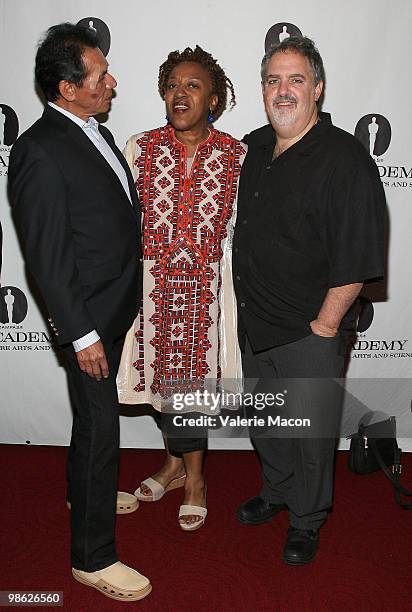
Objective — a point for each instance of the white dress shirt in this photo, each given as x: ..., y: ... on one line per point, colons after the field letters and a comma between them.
x: 91, y: 129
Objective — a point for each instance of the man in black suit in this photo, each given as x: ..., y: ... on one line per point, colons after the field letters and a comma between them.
x: 77, y: 213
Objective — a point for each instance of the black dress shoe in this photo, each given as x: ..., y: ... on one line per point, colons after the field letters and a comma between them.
x: 301, y: 546
x: 256, y: 511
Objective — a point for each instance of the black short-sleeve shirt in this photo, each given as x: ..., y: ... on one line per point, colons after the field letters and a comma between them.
x: 307, y: 221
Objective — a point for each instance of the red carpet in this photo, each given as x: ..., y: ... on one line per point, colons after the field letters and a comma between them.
x: 364, y: 562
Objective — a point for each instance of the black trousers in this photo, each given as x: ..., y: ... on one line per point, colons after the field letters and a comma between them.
x: 178, y: 445
x: 298, y: 471
x: 93, y: 462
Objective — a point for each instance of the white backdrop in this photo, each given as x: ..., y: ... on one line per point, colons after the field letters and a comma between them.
x: 365, y: 47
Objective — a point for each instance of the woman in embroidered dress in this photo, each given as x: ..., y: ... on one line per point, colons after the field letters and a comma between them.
x: 184, y: 337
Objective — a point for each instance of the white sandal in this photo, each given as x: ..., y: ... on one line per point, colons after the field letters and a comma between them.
x: 187, y: 510
x: 157, y: 489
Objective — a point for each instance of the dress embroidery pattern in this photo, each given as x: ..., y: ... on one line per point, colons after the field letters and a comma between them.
x: 186, y: 222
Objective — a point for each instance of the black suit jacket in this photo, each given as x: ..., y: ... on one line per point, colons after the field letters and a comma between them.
x: 79, y: 232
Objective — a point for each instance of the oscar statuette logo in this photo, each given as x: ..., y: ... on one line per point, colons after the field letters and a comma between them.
x: 375, y: 133
x: 101, y: 29
x: 280, y: 32
x: 13, y: 306
x: 13, y: 335
x: 9, y: 130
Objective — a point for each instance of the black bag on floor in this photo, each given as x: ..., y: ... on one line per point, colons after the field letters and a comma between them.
x: 375, y: 447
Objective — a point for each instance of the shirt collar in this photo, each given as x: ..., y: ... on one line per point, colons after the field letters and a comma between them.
x: 305, y: 144
x: 91, y: 123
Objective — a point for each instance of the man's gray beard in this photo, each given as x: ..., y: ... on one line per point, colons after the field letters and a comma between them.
x: 283, y: 118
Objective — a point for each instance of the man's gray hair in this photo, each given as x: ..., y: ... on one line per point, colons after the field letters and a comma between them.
x: 300, y: 44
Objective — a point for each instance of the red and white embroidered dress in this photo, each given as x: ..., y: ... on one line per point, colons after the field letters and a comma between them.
x: 185, y: 332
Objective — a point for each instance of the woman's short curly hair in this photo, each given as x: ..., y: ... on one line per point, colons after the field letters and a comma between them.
x: 220, y: 82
